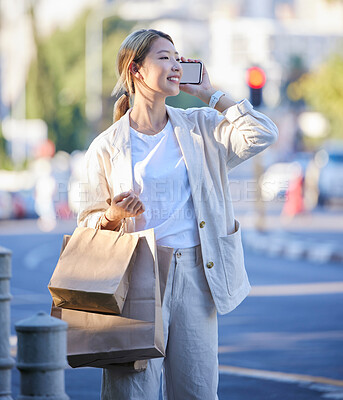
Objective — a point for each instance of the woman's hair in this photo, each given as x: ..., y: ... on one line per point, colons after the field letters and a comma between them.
x: 134, y: 48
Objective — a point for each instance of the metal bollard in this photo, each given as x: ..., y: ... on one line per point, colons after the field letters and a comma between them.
x: 41, y: 357
x: 6, y: 361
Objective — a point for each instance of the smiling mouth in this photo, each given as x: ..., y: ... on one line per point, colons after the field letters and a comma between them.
x: 174, y: 79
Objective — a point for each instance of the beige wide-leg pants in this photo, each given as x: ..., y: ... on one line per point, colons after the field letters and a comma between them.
x: 190, y: 368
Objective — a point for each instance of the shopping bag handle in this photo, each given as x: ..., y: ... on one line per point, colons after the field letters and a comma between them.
x: 122, y: 229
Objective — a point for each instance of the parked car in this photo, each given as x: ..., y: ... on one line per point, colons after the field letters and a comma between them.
x: 275, y: 181
x: 23, y: 202
x: 330, y: 183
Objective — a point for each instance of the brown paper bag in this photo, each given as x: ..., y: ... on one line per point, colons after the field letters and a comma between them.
x: 100, y: 340
x: 93, y: 270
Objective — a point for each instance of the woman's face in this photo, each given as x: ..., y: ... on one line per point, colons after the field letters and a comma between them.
x: 161, y: 70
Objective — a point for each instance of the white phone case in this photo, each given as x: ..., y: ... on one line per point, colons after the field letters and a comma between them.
x: 192, y: 72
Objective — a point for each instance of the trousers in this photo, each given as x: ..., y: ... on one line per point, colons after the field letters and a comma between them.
x: 190, y: 369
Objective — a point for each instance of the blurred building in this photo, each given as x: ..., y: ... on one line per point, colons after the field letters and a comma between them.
x: 232, y: 35
x: 277, y: 35
x: 17, y: 47
x: 229, y: 35
x: 16, y: 52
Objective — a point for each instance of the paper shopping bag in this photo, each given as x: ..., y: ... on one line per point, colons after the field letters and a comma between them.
x: 100, y: 340
x: 164, y: 257
x: 93, y: 270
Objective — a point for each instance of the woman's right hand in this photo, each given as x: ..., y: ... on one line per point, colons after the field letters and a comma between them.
x: 126, y: 204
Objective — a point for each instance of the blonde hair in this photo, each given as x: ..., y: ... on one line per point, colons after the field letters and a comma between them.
x: 134, y: 48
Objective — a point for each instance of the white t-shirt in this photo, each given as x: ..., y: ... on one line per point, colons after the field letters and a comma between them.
x: 161, y: 181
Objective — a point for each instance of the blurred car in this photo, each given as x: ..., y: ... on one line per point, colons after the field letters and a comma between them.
x: 275, y: 181
x: 330, y: 183
x: 23, y: 203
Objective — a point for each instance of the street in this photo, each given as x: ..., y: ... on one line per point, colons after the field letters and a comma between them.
x: 243, y: 89
x: 272, y: 346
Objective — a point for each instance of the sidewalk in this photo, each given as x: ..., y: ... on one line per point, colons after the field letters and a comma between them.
x: 316, y: 236
x: 30, y: 227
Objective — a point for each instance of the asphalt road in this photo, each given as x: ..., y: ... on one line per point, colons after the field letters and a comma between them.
x: 273, y: 346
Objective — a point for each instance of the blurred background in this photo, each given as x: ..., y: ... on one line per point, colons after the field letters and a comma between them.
x: 57, y: 71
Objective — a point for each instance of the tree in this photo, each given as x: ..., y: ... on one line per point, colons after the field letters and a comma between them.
x: 5, y: 161
x: 322, y: 90
x: 56, y: 81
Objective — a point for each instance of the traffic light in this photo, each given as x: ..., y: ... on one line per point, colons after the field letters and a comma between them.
x: 256, y: 78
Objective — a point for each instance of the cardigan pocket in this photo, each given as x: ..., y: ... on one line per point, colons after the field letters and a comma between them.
x: 232, y: 256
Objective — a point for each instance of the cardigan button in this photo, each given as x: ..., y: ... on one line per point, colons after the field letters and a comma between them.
x: 202, y: 224
x: 209, y: 264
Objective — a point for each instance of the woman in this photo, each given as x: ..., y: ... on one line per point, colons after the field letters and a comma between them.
x: 167, y: 168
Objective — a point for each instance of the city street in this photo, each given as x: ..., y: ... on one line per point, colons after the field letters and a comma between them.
x: 273, y: 346
x: 170, y: 99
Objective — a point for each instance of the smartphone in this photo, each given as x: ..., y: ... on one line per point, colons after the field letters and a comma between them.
x: 192, y: 72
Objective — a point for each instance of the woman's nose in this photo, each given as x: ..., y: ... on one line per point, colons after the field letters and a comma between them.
x: 176, y: 68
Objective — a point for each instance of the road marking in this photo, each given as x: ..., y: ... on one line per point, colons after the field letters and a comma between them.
x: 13, y: 345
x: 297, y: 289
x: 248, y: 372
x: 277, y: 376
x: 253, y: 341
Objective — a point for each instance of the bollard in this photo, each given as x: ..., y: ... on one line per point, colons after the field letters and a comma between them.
x: 41, y: 357
x: 6, y: 361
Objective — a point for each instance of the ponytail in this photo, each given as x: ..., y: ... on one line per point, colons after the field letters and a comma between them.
x: 121, y: 106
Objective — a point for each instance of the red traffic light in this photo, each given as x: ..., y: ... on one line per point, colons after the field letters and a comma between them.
x: 256, y: 78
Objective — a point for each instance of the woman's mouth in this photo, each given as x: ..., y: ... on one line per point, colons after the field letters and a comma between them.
x: 174, y: 79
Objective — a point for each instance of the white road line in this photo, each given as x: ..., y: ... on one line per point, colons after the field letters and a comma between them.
x: 260, y: 341
x: 277, y: 376
x: 297, y: 289
x: 316, y: 381
x: 13, y: 345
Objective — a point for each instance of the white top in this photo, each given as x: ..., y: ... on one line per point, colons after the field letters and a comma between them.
x: 161, y: 181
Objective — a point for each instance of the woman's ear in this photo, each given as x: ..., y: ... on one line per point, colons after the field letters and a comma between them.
x: 134, y: 70
x: 133, y: 67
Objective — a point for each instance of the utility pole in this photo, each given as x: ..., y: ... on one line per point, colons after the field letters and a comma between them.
x: 94, y: 38
x: 256, y: 80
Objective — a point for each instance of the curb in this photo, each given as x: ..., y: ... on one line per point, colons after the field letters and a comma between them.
x: 286, y: 245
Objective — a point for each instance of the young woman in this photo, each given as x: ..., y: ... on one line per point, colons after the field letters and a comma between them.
x: 167, y: 168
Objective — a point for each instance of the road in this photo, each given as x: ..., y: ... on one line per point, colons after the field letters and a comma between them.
x: 273, y: 346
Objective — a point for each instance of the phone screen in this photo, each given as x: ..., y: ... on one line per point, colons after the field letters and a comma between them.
x: 192, y: 72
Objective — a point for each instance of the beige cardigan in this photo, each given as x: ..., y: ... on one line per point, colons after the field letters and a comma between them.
x: 212, y: 143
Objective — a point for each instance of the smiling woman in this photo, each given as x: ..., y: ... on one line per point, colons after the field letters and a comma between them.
x: 135, y: 170
x: 138, y: 47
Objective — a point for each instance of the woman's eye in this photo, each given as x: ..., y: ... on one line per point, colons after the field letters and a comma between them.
x: 166, y: 58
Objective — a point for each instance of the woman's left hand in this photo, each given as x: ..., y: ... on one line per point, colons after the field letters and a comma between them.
x: 204, y: 90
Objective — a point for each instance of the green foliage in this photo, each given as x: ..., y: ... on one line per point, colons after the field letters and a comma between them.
x: 322, y: 90
x: 56, y: 86
x: 5, y: 161
x: 56, y: 81
x: 185, y: 100
x: 115, y: 31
